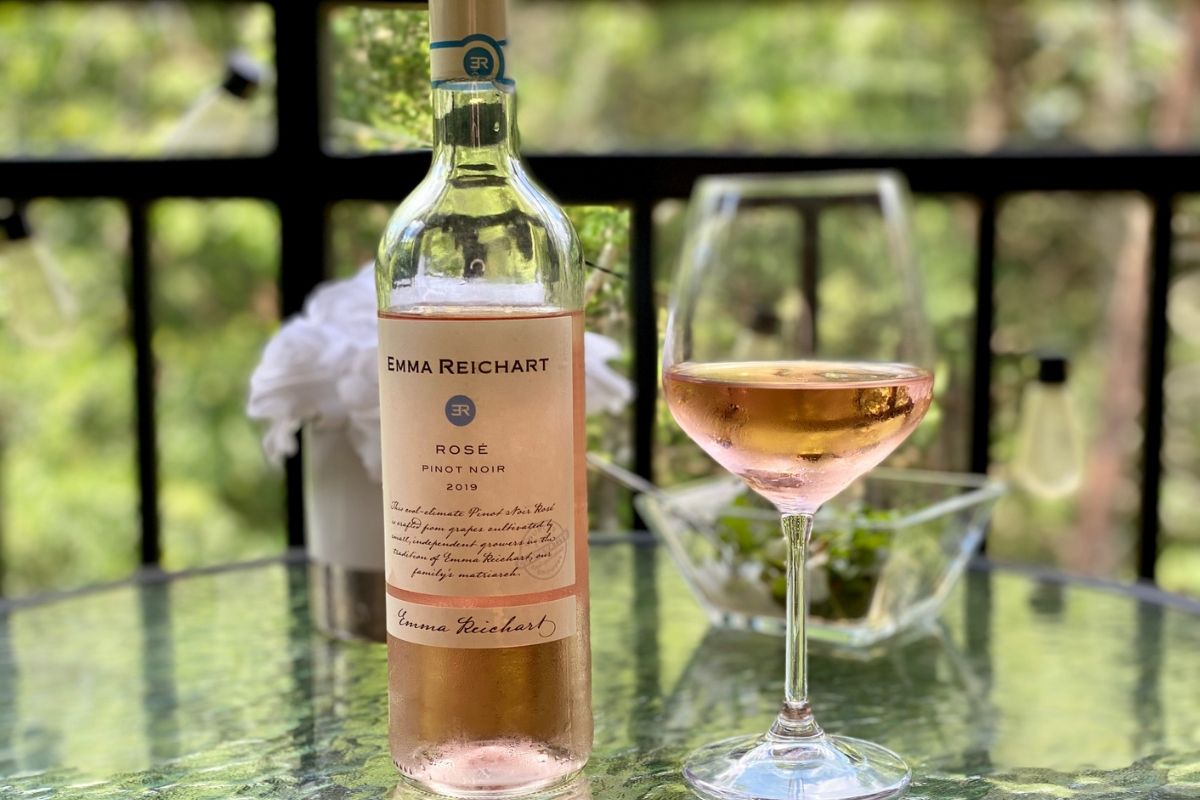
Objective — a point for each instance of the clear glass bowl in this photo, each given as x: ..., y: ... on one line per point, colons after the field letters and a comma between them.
x: 885, y: 553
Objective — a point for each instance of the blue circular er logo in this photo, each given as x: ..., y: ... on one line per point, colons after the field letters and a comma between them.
x: 479, y: 63
x: 460, y: 410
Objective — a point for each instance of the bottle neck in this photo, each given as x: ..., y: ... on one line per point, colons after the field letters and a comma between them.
x: 475, y: 126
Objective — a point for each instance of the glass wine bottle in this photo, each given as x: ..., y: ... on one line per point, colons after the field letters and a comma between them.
x: 480, y: 286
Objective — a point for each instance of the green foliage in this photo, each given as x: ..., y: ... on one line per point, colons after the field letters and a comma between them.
x: 380, y: 79
x: 850, y: 553
x: 773, y: 76
x: 216, y: 266
x: 354, y: 230
x: 68, y: 496
x: 604, y: 235
x: 113, y: 78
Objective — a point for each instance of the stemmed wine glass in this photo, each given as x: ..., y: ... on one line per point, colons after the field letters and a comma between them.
x: 797, y: 355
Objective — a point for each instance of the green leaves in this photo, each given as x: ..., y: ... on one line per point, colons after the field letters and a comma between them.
x: 849, y: 552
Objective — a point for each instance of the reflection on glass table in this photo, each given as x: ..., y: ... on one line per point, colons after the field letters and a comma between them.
x: 215, y: 685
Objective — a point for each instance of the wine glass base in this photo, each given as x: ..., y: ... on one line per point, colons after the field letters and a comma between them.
x: 762, y: 767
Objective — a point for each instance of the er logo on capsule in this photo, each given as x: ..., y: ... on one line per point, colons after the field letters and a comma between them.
x: 478, y: 62
x: 460, y: 410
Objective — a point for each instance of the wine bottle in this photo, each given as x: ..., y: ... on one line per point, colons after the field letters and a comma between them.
x: 480, y: 281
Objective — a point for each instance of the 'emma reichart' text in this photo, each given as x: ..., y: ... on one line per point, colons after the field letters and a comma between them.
x: 449, y: 366
x: 468, y: 625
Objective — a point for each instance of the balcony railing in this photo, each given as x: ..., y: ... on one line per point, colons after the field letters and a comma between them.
x: 303, y: 181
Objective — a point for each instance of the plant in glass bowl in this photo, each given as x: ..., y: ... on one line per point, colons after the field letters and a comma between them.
x: 884, y: 554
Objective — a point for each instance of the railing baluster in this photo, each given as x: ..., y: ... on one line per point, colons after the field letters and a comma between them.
x: 303, y: 210
x: 810, y: 268
x: 645, y: 350
x: 985, y: 302
x: 141, y: 332
x: 1156, y: 367
x: 985, y: 279
x: 302, y: 228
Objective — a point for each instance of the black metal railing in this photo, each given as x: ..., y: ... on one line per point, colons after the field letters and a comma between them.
x: 303, y: 181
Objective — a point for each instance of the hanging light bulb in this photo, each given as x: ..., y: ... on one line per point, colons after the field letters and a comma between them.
x: 35, y: 302
x: 1048, y: 454
x: 222, y: 121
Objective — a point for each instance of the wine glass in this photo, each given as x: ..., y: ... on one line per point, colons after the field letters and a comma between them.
x: 798, y: 356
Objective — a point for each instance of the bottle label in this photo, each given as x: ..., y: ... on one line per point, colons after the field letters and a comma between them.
x: 476, y: 628
x: 481, y: 466
x: 467, y: 41
x: 475, y: 58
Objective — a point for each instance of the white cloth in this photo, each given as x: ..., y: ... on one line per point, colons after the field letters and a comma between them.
x: 606, y: 389
x: 321, y: 369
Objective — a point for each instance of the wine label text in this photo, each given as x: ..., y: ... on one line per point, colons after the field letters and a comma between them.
x: 476, y: 628
x: 448, y: 366
x: 480, y: 476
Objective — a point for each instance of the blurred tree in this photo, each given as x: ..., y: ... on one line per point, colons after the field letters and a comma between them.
x: 69, y: 508
x: 113, y: 78
x: 762, y: 75
x: 380, y: 77
x: 220, y: 501
x: 1093, y: 548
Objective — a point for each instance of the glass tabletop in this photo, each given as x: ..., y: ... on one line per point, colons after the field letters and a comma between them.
x: 217, y: 686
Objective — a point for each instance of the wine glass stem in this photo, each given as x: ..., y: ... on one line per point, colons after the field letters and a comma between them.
x: 795, y: 720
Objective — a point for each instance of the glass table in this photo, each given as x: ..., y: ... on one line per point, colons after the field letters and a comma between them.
x: 215, y: 685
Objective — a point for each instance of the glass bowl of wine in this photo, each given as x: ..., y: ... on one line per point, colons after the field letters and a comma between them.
x: 885, y: 553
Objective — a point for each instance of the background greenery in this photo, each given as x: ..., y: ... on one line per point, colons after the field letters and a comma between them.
x: 82, y: 79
